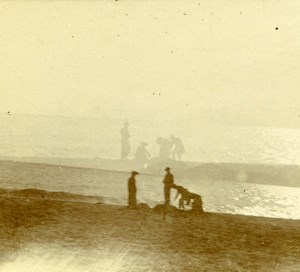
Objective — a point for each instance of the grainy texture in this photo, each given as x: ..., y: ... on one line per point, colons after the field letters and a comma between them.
x: 71, y: 233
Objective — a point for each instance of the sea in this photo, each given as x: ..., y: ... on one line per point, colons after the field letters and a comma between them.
x: 71, y: 137
x: 44, y: 136
x: 218, y: 196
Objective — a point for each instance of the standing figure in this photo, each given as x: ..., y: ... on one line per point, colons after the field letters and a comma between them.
x: 125, y: 141
x: 142, y: 156
x: 132, y: 190
x: 178, y: 148
x: 165, y: 147
x: 168, y: 182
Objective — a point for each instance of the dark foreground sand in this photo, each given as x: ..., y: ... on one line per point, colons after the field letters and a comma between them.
x: 43, y: 231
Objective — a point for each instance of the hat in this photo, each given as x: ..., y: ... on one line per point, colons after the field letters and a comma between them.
x: 135, y: 173
x: 168, y: 168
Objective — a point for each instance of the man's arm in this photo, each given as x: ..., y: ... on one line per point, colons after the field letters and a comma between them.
x: 148, y: 154
x: 164, y: 180
x: 172, y: 178
x: 176, y: 196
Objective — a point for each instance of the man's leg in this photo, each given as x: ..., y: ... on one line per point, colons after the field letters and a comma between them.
x: 181, y: 203
x: 134, y: 200
x: 130, y: 200
x: 167, y: 195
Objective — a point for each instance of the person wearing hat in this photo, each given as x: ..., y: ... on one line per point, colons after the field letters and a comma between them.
x: 168, y: 182
x: 142, y: 156
x: 132, y: 190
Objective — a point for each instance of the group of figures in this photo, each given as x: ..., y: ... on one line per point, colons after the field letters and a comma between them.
x: 186, y: 197
x: 172, y: 147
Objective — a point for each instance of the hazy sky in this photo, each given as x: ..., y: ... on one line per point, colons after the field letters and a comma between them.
x: 151, y: 59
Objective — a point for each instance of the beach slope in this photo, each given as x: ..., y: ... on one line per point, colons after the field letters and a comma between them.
x: 45, y: 231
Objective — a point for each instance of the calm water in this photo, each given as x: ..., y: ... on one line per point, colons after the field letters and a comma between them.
x: 229, y: 197
x: 90, y: 138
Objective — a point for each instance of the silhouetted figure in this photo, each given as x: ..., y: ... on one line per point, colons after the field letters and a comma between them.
x: 197, y: 203
x: 168, y: 182
x: 165, y: 148
x: 142, y: 155
x: 132, y: 190
x: 188, y: 197
x: 178, y: 149
x: 125, y: 141
x: 183, y: 193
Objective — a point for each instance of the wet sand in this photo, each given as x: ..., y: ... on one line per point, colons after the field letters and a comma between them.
x: 44, y: 231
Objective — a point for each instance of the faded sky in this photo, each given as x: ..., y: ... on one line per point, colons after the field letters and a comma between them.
x: 152, y: 59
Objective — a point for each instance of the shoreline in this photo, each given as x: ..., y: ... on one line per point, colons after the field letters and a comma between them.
x: 37, y: 227
x: 286, y: 175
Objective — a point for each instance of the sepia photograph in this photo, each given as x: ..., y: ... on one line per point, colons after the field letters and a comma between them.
x: 149, y: 136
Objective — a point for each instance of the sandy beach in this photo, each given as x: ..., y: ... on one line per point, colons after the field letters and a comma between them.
x: 52, y: 231
x: 162, y: 105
